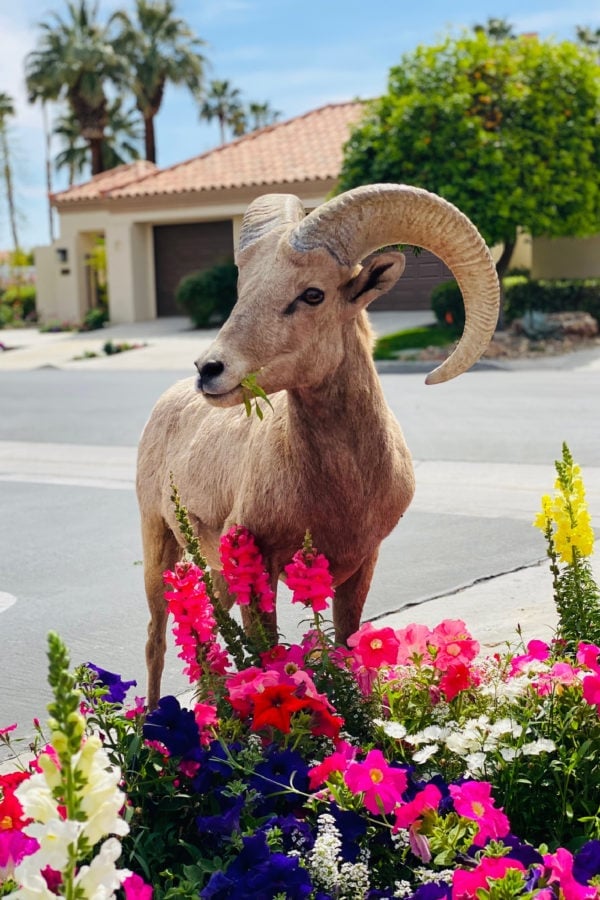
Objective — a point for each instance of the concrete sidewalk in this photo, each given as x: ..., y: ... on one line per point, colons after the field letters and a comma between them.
x: 169, y: 344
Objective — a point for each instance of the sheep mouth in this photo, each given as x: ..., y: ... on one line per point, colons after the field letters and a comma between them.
x: 232, y: 397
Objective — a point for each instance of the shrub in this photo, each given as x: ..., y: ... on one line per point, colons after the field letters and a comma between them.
x: 94, y: 318
x: 21, y: 297
x: 208, y: 296
x: 552, y: 296
x: 447, y: 304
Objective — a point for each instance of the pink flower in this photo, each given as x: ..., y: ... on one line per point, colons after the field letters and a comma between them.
x: 337, y: 761
x: 309, y: 578
x: 374, y: 647
x: 591, y: 690
x: 7, y: 729
x: 381, y: 784
x: 473, y: 800
x: 467, y: 882
x: 561, y: 873
x: 206, y: 717
x: 455, y: 679
x: 191, y: 607
x: 451, y: 642
x: 138, y: 709
x: 242, y: 687
x: 243, y: 569
x: 409, y: 813
x: 14, y: 847
x: 536, y: 651
x: 587, y: 655
x: 414, y: 644
x: 136, y: 888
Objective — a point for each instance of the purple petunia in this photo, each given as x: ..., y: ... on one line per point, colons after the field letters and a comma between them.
x: 173, y: 727
x: 117, y: 688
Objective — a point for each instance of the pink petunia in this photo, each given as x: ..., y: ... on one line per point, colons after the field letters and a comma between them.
x: 560, y: 865
x: 136, y: 888
x: 409, y: 813
x: 537, y: 651
x: 381, y: 784
x: 14, y: 847
x: 242, y: 686
x: 451, y: 642
x: 413, y: 644
x: 591, y: 690
x: 374, y: 647
x: 338, y: 761
x: 473, y: 800
x: 467, y: 882
x: 587, y: 655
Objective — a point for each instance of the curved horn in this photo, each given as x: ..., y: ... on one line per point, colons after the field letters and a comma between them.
x: 367, y: 218
x: 266, y: 213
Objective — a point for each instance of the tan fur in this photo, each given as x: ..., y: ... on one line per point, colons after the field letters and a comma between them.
x: 329, y: 457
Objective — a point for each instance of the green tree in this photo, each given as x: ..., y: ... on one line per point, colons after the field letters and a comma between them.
x: 262, y: 114
x: 161, y: 48
x: 497, y: 29
x: 75, y: 153
x: 7, y: 111
x: 223, y: 103
x: 505, y: 129
x: 122, y: 137
x: 73, y: 60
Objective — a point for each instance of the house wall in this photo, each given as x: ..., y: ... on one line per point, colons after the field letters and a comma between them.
x: 566, y: 257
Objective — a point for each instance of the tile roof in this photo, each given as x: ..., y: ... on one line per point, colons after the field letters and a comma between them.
x: 306, y: 148
x: 101, y: 185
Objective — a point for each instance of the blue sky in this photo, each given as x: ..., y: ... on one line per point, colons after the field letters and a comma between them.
x: 296, y: 55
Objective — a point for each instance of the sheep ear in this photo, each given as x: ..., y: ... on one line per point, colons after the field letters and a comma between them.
x: 377, y: 277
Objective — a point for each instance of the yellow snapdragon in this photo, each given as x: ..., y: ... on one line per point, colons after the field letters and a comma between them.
x: 566, y: 514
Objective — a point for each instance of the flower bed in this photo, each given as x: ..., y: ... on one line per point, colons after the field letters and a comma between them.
x: 404, y: 765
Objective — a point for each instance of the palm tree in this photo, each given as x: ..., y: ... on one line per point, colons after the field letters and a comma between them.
x: 497, y: 29
x: 588, y: 36
x: 122, y: 137
x: 222, y: 103
x: 73, y: 60
x: 262, y: 114
x: 7, y: 109
x: 160, y: 48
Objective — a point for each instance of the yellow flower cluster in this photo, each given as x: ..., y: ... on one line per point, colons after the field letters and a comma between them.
x: 568, y: 515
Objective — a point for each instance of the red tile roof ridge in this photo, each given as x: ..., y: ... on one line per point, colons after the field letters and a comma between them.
x: 110, y: 175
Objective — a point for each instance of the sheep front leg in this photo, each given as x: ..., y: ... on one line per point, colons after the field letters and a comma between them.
x: 161, y: 551
x: 349, y: 599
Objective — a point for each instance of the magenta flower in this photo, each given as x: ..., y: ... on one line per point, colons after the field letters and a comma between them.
x: 452, y: 643
x: 381, y: 784
x: 560, y: 865
x: 537, y: 651
x: 244, y: 569
x: 409, y: 813
x: 587, y: 655
x: 14, y: 847
x: 591, y: 690
x: 473, y: 800
x: 467, y: 882
x: 192, y: 610
x: 136, y: 888
x: 310, y: 580
x: 374, y: 647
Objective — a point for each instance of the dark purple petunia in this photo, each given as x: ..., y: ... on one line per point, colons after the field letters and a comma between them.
x: 436, y: 890
x: 256, y: 872
x: 279, y: 768
x: 296, y: 834
x: 214, y: 767
x: 117, y: 688
x: 173, y: 727
x: 586, y: 863
x: 352, y: 827
x: 524, y: 853
x: 228, y: 819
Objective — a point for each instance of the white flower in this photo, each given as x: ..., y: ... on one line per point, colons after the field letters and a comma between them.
x: 35, y: 796
x: 391, y: 728
x: 475, y: 763
x: 54, y: 837
x: 425, y: 753
x: 508, y: 753
x: 33, y: 887
x: 534, y: 748
x: 101, y: 878
x: 101, y: 799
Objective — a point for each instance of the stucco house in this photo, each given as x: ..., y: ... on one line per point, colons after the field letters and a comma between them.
x: 161, y: 224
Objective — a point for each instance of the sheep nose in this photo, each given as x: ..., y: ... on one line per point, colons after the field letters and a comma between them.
x: 209, y: 370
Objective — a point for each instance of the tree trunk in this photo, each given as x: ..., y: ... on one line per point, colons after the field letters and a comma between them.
x: 501, y: 268
x: 96, y: 151
x: 48, y: 148
x: 10, y: 196
x: 149, y: 138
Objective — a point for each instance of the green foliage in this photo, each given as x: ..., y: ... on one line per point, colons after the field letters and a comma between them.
x: 17, y: 304
x: 391, y: 345
x: 447, y: 304
x: 94, y: 319
x: 252, y: 391
x: 209, y: 296
x: 522, y: 295
x: 505, y: 129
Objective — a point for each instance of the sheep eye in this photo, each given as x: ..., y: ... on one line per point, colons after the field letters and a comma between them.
x: 312, y: 296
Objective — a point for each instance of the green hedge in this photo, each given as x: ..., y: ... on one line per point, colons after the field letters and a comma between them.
x: 521, y: 295
x: 21, y: 299
x: 209, y: 296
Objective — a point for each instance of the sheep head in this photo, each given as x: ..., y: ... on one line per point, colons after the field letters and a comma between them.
x: 300, y: 283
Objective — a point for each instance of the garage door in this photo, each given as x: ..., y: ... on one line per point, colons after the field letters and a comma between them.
x: 181, y: 249
x: 413, y: 290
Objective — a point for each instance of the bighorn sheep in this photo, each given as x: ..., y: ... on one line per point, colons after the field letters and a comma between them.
x: 330, y: 456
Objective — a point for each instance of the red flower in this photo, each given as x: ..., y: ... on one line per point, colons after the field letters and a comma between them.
x: 275, y: 706
x: 11, y: 811
x: 457, y: 678
x: 322, y: 721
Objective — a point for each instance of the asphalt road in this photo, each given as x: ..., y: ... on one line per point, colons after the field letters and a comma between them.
x: 70, y: 550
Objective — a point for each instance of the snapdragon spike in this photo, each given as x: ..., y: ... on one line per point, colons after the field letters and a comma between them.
x: 309, y: 578
x: 195, y: 626
x: 244, y: 570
